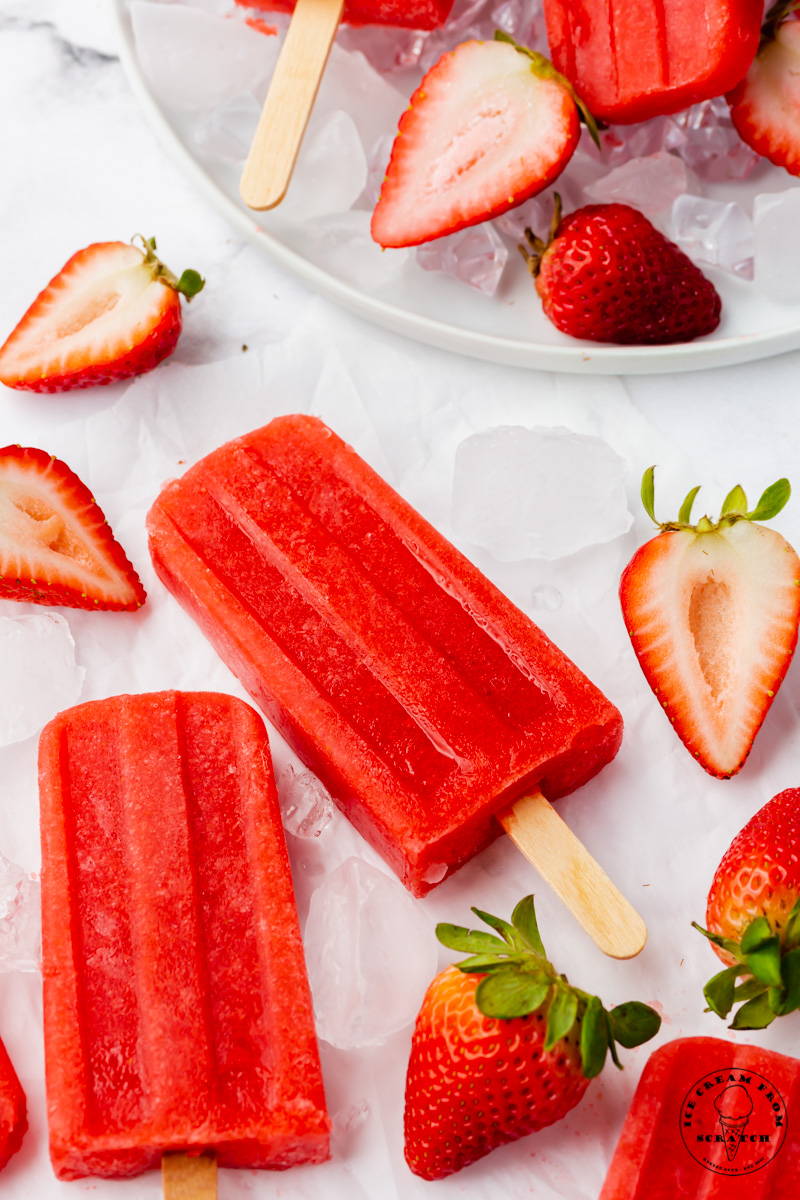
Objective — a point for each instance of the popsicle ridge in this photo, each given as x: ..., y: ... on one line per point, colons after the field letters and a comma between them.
x: 389, y: 662
x: 177, y: 1012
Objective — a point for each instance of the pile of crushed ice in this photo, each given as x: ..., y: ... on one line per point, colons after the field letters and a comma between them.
x: 203, y: 57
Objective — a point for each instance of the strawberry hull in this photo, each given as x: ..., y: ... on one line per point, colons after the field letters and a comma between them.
x: 641, y: 59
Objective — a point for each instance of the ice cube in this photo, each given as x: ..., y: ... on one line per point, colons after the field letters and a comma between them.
x: 331, y: 172
x: 343, y: 245
x: 371, y: 953
x: 621, y: 143
x: 306, y: 806
x: 713, y: 148
x: 198, y: 60
x: 228, y: 131
x: 546, y: 598
x: 20, y: 922
x: 538, y: 493
x: 38, y: 673
x: 377, y: 162
x: 713, y: 232
x: 650, y: 184
x: 777, y: 249
x: 476, y: 256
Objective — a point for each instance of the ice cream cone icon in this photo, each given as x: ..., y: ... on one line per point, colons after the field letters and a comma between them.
x: 734, y: 1107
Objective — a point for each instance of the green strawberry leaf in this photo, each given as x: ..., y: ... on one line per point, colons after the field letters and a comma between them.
x: 512, y: 993
x: 735, y: 501
x: 190, y: 283
x: 594, y: 1038
x: 786, y: 999
x: 634, y: 1023
x: 724, y: 943
x: 649, y: 493
x: 560, y: 1015
x: 747, y: 990
x: 507, y: 932
x: 791, y: 931
x: 757, y: 932
x: 756, y: 1014
x: 685, y: 514
x: 469, y: 941
x: 612, y: 1045
x: 772, y: 501
x: 764, y: 963
x: 719, y: 991
x: 524, y: 920
x: 488, y: 962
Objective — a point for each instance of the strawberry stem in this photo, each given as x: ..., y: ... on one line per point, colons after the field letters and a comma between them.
x: 519, y: 979
x: 734, y: 507
x: 544, y: 69
x: 190, y: 282
x: 775, y: 18
x: 536, y: 247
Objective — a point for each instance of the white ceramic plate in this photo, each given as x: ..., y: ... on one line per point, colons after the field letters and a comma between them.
x: 508, y: 328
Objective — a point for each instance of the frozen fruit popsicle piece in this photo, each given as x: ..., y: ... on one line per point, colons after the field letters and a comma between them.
x: 13, y: 1110
x: 294, y: 85
x: 419, y: 694
x: 636, y: 59
x: 405, y: 14
x: 177, y: 1014
x: 710, y: 1118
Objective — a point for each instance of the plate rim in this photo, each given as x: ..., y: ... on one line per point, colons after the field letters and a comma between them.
x: 581, y: 358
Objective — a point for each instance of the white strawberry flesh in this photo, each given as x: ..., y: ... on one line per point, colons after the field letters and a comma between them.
x: 483, y: 133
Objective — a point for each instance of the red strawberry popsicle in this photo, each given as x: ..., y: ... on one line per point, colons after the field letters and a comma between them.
x: 177, y: 1015
x: 425, y: 701
x: 710, y: 1118
x: 636, y: 59
x: 13, y: 1112
x: 409, y: 14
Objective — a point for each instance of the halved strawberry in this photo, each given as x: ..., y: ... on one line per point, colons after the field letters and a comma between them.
x: 753, y: 917
x: 55, y: 544
x: 111, y: 312
x: 490, y: 125
x: 765, y: 106
x: 712, y: 610
x: 504, y: 1045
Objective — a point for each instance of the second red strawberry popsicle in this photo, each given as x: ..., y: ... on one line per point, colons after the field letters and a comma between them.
x: 425, y: 701
x: 177, y: 1014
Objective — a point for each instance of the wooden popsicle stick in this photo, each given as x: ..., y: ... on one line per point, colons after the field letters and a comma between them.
x: 289, y: 102
x: 189, y: 1176
x: 536, y: 829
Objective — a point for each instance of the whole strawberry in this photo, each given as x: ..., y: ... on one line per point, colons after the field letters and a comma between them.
x: 113, y: 311
x: 491, y: 124
x: 765, y: 106
x: 712, y: 611
x: 753, y: 917
x: 608, y: 275
x: 503, y: 1045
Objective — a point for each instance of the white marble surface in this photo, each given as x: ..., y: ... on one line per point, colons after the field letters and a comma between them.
x: 79, y: 164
